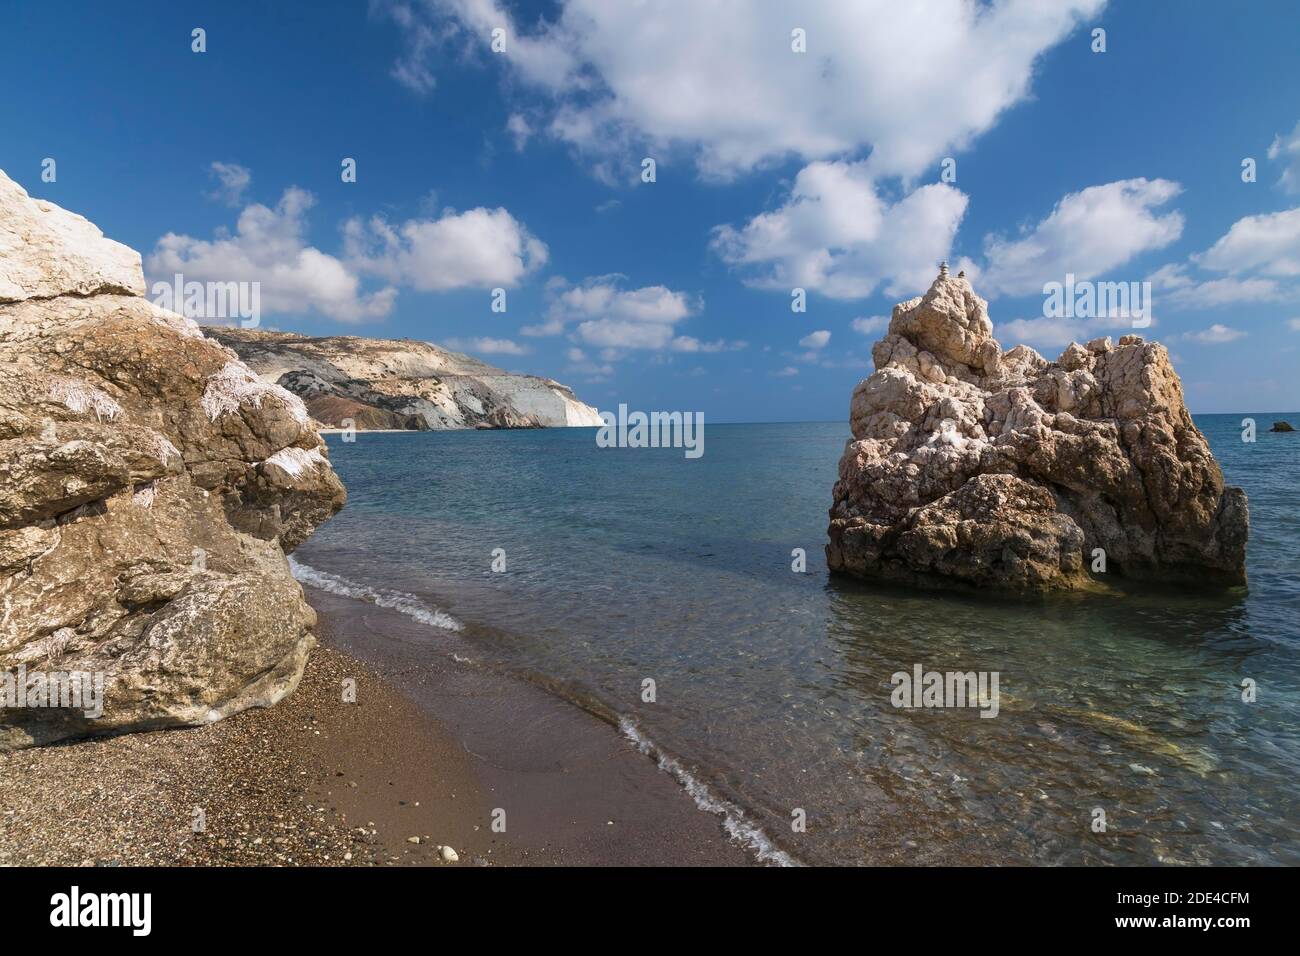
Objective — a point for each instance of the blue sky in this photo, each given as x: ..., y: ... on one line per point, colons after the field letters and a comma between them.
x: 775, y: 169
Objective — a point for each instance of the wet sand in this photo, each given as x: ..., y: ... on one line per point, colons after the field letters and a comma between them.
x: 428, y: 755
x: 572, y: 789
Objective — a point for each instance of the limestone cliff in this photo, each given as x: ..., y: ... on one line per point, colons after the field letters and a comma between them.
x: 150, y: 486
x: 970, y: 464
x: 402, y: 383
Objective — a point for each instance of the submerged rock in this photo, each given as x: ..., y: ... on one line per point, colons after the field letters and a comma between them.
x: 150, y: 487
x: 1002, y: 469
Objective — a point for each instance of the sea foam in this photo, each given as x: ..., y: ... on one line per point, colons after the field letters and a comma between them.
x: 399, y: 601
x: 733, y: 818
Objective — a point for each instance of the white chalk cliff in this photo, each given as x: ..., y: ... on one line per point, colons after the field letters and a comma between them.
x: 403, y: 383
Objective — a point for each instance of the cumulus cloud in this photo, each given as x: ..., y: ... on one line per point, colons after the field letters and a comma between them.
x: 479, y: 248
x: 1216, y: 334
x: 604, y: 314
x: 866, y: 325
x: 519, y: 129
x: 1287, y: 151
x: 1054, y: 333
x: 1254, y: 260
x: 912, y: 81
x: 1267, y: 244
x: 268, y: 247
x: 232, y: 179
x: 815, y: 340
x: 585, y: 368
x: 1087, y: 233
x: 486, y: 346
x: 836, y: 235
x: 1180, y: 290
x: 685, y: 343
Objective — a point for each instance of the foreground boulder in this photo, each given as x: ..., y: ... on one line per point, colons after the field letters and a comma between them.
x: 150, y: 486
x: 1000, y: 469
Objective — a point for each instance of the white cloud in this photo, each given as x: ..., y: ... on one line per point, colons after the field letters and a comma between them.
x: 487, y: 346
x: 1215, y: 335
x: 835, y: 235
x: 815, y: 340
x: 1288, y: 151
x: 914, y: 81
x: 685, y: 343
x: 1088, y: 233
x: 786, y: 372
x: 268, y: 247
x: 479, y: 248
x: 232, y: 180
x: 1294, y: 324
x: 1255, y: 256
x: 1268, y: 244
x: 519, y: 129
x: 605, y: 315
x: 617, y: 333
x: 1054, y: 333
x: 1179, y: 290
x: 866, y: 326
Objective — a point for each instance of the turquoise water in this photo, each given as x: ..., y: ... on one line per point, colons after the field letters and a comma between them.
x: 772, y: 688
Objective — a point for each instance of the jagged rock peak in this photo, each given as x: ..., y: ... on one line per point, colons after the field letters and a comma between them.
x: 1003, y: 469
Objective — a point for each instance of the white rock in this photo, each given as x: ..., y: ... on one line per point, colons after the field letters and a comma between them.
x: 46, y: 251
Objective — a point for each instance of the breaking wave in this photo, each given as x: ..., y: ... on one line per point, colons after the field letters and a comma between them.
x: 399, y: 601
x: 733, y: 818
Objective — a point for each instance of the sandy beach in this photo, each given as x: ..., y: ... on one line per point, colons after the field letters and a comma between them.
x: 422, y: 759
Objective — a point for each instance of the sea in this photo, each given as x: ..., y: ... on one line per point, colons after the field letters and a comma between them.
x: 687, y: 602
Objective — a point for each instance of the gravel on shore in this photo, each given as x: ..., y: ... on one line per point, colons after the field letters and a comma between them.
x: 255, y: 789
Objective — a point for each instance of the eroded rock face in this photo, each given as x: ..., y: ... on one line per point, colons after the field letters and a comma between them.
x: 1001, y: 469
x: 150, y: 486
x: 402, y: 383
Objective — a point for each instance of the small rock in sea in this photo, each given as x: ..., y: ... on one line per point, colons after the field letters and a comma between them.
x: 448, y: 855
x: 1281, y: 427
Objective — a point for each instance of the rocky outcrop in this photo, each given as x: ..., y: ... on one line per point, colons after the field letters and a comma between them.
x: 150, y: 486
x: 402, y: 383
x: 1001, y: 469
x: 1282, y: 427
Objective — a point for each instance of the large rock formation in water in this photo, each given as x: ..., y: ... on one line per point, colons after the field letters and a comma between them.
x: 970, y: 464
x: 150, y: 486
x: 402, y: 383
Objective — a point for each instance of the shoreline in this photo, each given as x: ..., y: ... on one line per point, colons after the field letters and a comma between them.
x: 430, y: 754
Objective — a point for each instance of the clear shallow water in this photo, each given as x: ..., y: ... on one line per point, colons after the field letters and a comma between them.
x: 773, y: 688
